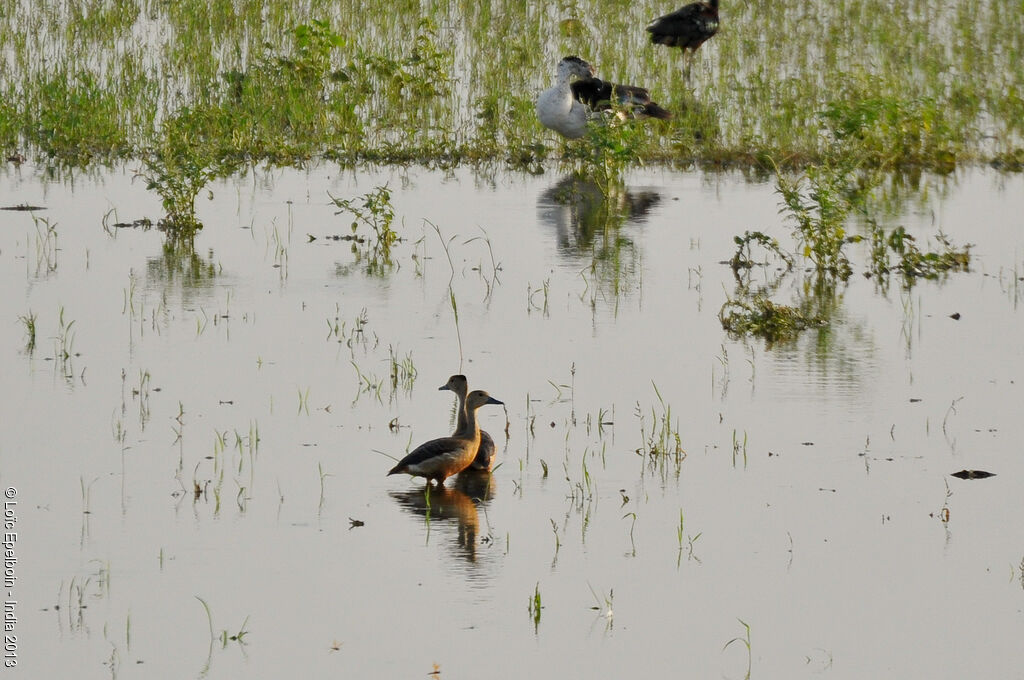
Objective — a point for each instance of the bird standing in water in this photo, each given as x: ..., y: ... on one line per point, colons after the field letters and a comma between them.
x: 557, y: 109
x: 441, y: 458
x: 687, y: 28
x: 484, y: 459
x: 567, y: 106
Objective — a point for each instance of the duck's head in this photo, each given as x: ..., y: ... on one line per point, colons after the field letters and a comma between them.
x: 478, y: 398
x: 574, y: 66
x: 456, y: 383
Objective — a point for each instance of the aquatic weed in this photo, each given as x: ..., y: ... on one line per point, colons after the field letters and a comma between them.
x: 818, y: 203
x: 745, y: 641
x: 181, y: 166
x: 761, y: 317
x: 373, y: 209
x: 28, y: 320
x: 535, y: 607
x: 744, y: 257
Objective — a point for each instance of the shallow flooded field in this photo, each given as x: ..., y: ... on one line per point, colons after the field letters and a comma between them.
x: 198, y: 439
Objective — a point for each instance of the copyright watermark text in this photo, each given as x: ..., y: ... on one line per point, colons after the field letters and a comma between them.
x: 9, y: 544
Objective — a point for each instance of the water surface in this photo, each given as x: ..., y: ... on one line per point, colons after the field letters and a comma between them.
x: 813, y: 484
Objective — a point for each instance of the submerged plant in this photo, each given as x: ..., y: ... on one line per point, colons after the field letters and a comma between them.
x: 744, y: 258
x: 46, y: 245
x: 929, y: 265
x: 819, y: 204
x: 535, y: 607
x: 763, y: 318
x: 690, y: 541
x: 663, y: 444
x: 910, y: 261
x: 745, y: 641
x: 374, y: 210
x: 224, y: 636
x: 29, y: 322
x: 181, y: 165
x: 63, y: 342
x: 403, y: 371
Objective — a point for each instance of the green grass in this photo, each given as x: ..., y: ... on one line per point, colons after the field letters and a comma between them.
x: 923, y: 83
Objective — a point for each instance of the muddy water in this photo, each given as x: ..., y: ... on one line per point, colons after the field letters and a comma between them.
x: 813, y: 486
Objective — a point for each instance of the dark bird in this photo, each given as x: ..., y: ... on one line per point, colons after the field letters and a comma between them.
x: 687, y: 28
x: 441, y: 458
x: 484, y: 459
x: 599, y: 95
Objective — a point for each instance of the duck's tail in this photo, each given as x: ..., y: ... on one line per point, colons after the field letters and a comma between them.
x: 652, y: 110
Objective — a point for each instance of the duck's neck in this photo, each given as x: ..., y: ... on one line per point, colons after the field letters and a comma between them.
x: 471, y: 431
x: 462, y: 422
x: 563, y: 83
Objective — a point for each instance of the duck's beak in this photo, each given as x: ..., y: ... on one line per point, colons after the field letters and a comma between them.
x: 492, y: 400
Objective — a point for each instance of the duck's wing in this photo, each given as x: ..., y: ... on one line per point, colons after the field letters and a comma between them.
x: 484, y: 454
x: 592, y: 92
x: 598, y: 94
x: 427, y: 454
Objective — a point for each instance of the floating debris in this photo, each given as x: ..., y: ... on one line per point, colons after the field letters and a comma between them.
x: 973, y: 474
x: 144, y: 223
x: 955, y: 316
x: 23, y: 207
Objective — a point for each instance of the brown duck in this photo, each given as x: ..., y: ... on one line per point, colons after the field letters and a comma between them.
x: 484, y: 459
x: 441, y: 458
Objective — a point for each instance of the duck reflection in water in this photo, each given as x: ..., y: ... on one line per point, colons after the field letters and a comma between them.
x: 460, y: 502
x: 579, y: 211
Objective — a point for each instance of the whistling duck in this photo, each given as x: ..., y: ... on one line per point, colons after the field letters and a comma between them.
x: 484, y: 460
x: 441, y: 458
x: 687, y: 28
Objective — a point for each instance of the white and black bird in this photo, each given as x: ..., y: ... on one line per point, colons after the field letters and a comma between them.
x: 568, y: 105
x: 557, y: 108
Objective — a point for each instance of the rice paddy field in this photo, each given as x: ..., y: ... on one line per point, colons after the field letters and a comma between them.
x: 761, y: 364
